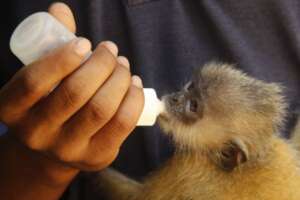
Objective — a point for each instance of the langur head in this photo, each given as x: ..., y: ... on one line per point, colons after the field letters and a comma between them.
x: 222, y: 106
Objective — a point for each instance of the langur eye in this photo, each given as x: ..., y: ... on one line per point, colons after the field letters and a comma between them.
x: 192, y: 106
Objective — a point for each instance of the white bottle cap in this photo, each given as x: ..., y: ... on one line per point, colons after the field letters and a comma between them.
x: 37, y: 35
x: 40, y: 33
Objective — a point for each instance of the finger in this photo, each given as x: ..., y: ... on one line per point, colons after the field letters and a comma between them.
x: 34, y: 81
x: 123, y: 61
x: 77, y: 89
x: 64, y: 14
x: 112, y: 135
x: 100, y: 108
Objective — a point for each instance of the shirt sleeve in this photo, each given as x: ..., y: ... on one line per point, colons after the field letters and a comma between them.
x: 3, y: 129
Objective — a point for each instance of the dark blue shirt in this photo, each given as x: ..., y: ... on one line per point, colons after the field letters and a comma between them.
x: 166, y: 39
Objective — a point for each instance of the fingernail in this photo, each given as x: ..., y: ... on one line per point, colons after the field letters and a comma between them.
x: 82, y: 46
x: 137, y: 81
x: 123, y: 61
x: 112, y: 47
x: 58, y: 6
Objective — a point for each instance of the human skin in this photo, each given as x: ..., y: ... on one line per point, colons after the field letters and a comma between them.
x: 79, y: 125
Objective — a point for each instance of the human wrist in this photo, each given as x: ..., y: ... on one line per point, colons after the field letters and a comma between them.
x: 41, y: 168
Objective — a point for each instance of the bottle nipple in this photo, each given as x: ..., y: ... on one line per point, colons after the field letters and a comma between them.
x: 152, y: 108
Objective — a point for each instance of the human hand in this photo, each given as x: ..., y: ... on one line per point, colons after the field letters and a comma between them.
x: 84, y: 120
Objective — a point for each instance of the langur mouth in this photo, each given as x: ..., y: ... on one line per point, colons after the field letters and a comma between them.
x: 165, y: 115
x: 163, y: 120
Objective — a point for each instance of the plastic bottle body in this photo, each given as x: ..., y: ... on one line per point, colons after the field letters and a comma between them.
x: 37, y: 35
x: 40, y: 33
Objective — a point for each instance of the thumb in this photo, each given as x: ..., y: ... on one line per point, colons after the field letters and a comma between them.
x: 64, y: 14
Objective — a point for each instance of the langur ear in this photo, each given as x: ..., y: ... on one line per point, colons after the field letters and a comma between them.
x: 232, y: 155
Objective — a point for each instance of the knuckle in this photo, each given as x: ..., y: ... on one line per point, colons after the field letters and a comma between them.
x: 64, y: 58
x: 30, y: 84
x: 99, y: 110
x: 108, y: 144
x: 64, y: 154
x: 30, y: 135
x: 33, y: 142
x: 68, y: 150
x: 100, y: 162
x: 71, y: 94
x: 124, y: 121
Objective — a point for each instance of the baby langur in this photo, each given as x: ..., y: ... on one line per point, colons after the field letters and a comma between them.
x: 225, y: 127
